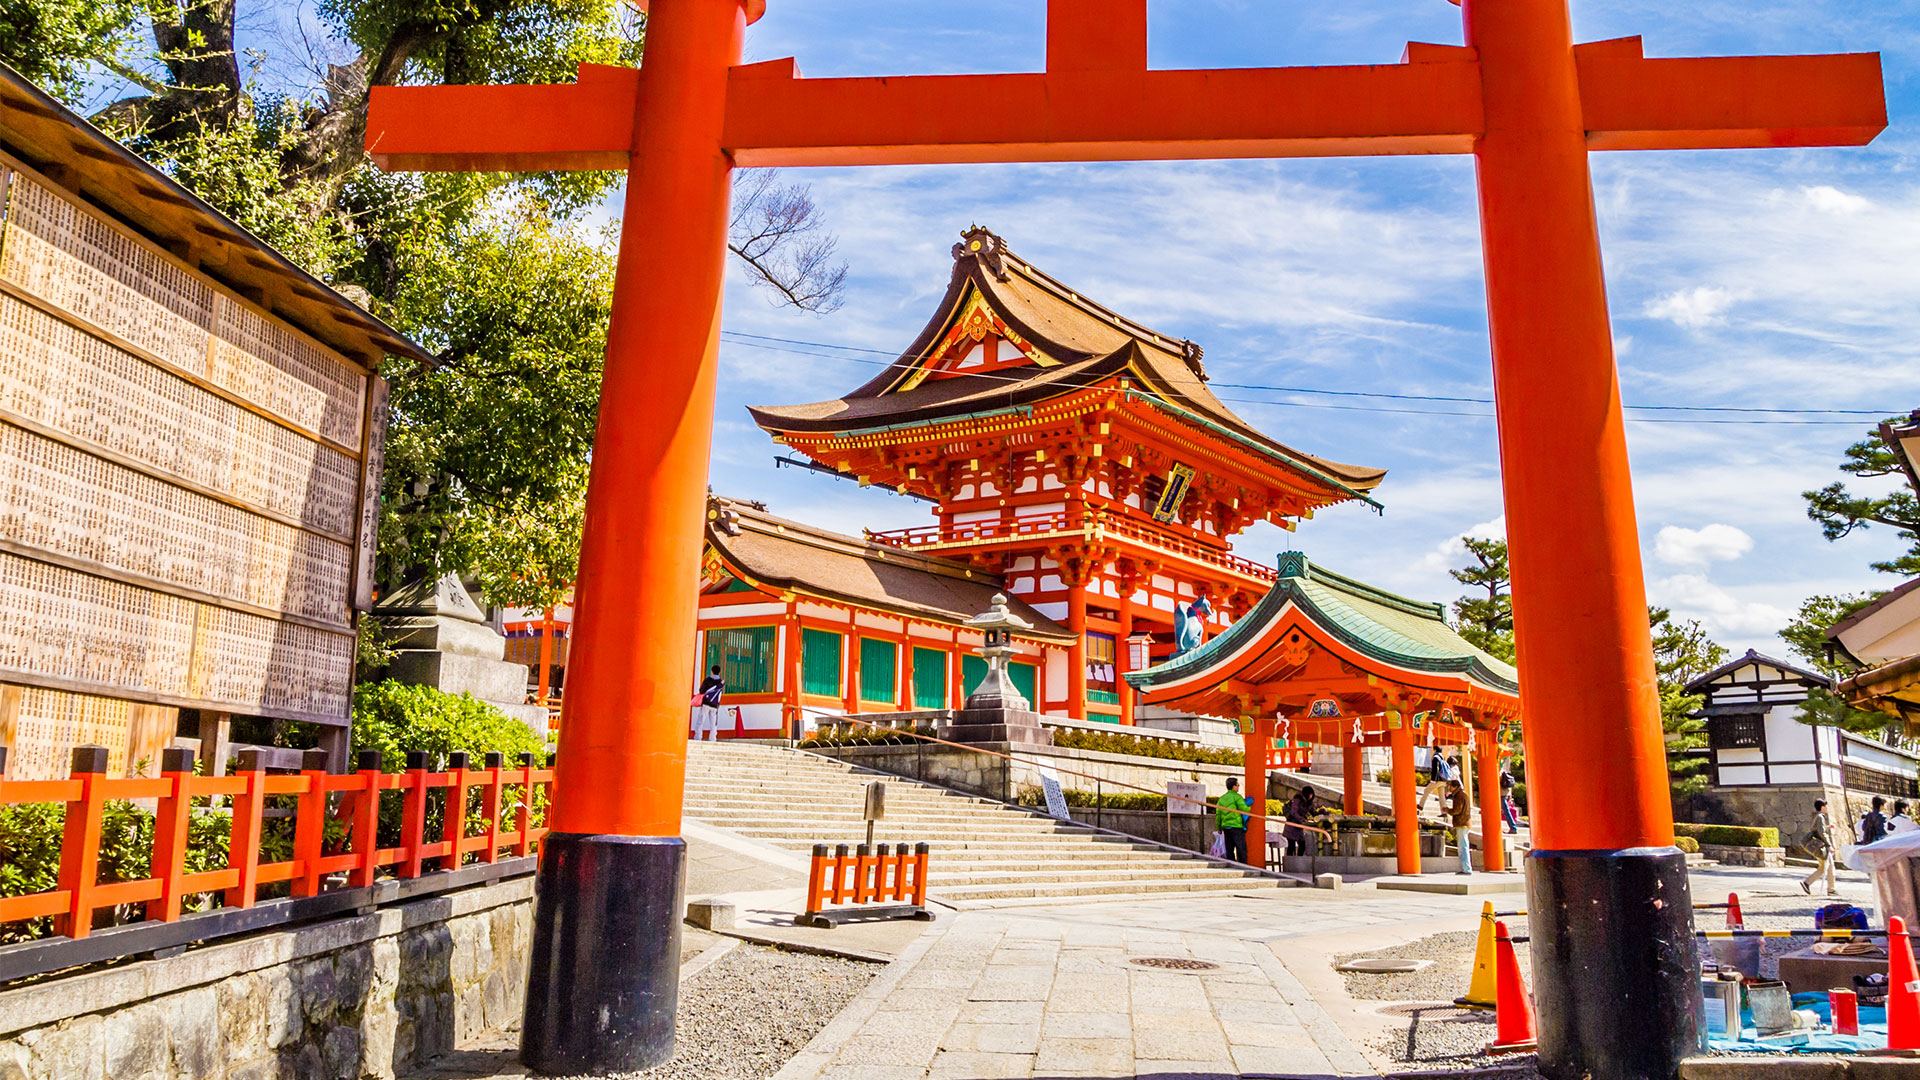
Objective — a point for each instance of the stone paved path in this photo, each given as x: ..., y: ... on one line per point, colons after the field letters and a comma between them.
x: 1058, y: 993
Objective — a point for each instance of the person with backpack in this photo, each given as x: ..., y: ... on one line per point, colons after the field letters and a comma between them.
x: 1509, y: 813
x: 1438, y: 775
x: 1819, y: 844
x: 1230, y: 815
x: 706, y: 707
x: 1873, y: 823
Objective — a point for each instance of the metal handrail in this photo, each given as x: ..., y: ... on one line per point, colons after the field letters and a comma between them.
x: 1216, y: 807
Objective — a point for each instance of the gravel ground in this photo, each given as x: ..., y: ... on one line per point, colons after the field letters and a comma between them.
x: 740, y: 1019
x: 745, y: 1016
x: 1440, y: 1036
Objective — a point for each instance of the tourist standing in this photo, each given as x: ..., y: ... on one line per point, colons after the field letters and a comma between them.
x: 1509, y: 813
x: 1819, y: 844
x: 1900, y: 822
x: 1873, y: 823
x: 1460, y: 812
x: 1229, y: 813
x: 706, y: 709
x: 1299, y: 812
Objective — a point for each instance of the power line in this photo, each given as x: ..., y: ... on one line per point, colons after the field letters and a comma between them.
x: 758, y: 341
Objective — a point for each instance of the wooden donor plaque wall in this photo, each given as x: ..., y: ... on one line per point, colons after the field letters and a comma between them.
x: 186, y: 494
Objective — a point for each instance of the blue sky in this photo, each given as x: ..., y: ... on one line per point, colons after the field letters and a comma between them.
x: 1737, y: 278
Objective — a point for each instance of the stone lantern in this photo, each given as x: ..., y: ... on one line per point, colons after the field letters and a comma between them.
x: 997, y: 691
x: 996, y: 712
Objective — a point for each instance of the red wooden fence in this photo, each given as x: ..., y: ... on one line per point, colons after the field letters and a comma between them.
x: 312, y: 869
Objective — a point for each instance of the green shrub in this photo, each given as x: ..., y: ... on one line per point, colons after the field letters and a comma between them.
x: 1113, y: 742
x: 397, y: 719
x: 1111, y: 800
x: 1729, y: 835
x: 1687, y: 844
x: 866, y: 736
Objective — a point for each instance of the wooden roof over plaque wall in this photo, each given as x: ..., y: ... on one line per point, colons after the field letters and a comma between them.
x: 1321, y: 637
x: 778, y: 555
x: 1052, y: 342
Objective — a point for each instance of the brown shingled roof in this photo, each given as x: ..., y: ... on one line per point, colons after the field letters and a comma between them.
x: 1090, y: 343
x: 787, y: 555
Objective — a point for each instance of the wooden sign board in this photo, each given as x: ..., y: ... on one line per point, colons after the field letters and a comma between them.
x: 188, y: 490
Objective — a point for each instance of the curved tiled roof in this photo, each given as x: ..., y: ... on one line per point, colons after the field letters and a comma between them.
x: 1087, y: 342
x: 1407, y: 634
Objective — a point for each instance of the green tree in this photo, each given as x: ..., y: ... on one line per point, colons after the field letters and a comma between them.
x: 1486, y: 621
x: 1839, y: 511
x: 497, y: 275
x: 1806, y: 637
x: 1682, y: 652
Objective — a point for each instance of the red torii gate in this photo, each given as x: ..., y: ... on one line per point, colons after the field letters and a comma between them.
x: 1520, y: 97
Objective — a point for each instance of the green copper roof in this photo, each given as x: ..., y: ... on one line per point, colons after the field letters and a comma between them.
x: 1405, y: 633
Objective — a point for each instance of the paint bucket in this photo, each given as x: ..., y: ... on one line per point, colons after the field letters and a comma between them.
x: 1741, y: 954
x: 1771, y: 1005
x: 1845, y: 1008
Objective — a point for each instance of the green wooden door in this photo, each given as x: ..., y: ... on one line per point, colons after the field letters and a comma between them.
x: 1025, y: 679
x: 929, y: 679
x: 744, y: 655
x: 973, y: 672
x: 878, y: 679
x: 820, y: 662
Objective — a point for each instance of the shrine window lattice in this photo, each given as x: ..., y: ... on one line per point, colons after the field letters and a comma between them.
x: 1737, y: 731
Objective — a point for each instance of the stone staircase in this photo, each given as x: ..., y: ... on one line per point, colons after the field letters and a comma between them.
x: 985, y: 854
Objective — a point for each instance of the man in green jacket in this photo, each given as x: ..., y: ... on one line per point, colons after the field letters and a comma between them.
x: 1230, y: 815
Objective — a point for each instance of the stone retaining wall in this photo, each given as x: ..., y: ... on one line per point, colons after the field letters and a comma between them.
x: 356, y: 997
x: 981, y: 774
x: 1744, y: 856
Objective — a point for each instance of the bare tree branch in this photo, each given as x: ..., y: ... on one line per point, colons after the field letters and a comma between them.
x: 776, y: 231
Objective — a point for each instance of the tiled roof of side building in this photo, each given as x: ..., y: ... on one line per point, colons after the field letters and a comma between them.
x: 1082, y: 343
x: 782, y: 554
x: 1409, y: 634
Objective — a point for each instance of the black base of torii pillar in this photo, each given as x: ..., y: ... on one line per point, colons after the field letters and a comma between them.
x: 1616, y: 968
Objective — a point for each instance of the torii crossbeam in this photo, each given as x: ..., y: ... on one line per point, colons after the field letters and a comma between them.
x: 1520, y: 96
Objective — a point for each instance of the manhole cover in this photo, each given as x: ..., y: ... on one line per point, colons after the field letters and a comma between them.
x: 1382, y: 965
x: 1174, y: 963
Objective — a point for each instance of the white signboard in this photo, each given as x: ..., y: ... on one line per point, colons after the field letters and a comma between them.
x: 1184, y: 797
x: 1056, y: 799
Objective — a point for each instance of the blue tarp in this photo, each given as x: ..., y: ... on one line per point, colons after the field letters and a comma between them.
x: 1873, y: 1033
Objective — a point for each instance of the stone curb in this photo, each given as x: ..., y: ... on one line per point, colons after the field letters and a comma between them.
x: 52, y: 1000
x: 821, y: 1050
x: 1346, y: 1058
x: 1796, y: 1067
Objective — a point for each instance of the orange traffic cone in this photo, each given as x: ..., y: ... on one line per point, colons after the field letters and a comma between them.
x: 1735, y: 921
x: 1514, y: 1030
x: 1481, y: 993
x: 1903, y: 989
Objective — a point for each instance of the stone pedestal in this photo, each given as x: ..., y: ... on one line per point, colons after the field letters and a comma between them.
x: 443, y: 641
x: 975, y: 726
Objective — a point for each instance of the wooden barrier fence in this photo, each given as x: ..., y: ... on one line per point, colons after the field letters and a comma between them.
x: 354, y: 861
x: 842, y: 886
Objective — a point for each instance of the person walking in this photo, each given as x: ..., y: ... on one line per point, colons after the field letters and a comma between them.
x: 1900, y: 822
x: 1460, y: 812
x: 1508, y: 812
x: 1438, y: 775
x: 1873, y: 823
x: 1819, y: 844
x: 706, y: 708
x: 1299, y: 812
x: 1230, y: 815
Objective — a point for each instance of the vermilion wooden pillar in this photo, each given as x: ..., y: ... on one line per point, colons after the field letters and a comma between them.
x: 1257, y: 741
x: 1353, y: 767
x: 604, y: 972
x: 1603, y: 818
x: 1486, y: 748
x: 1406, y: 819
x: 1077, y: 652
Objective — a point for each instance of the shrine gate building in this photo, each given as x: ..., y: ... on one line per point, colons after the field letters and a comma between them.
x: 1074, y: 457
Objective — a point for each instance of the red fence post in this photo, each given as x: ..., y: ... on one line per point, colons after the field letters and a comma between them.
x: 310, y: 824
x: 920, y: 874
x: 490, y: 805
x: 243, y: 849
x: 80, y: 842
x: 366, y: 820
x: 454, y: 831
x: 413, y: 814
x: 170, y: 820
x: 841, y: 889
x: 523, y: 845
x: 817, y: 880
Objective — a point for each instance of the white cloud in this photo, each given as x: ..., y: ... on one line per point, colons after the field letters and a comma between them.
x: 1692, y: 308
x: 1447, y: 554
x: 1698, y: 547
x: 1831, y: 200
x: 1692, y: 596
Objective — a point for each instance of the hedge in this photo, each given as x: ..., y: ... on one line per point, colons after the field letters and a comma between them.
x: 1687, y: 844
x: 1134, y: 800
x: 865, y: 737
x: 1116, y: 743
x: 1729, y: 835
